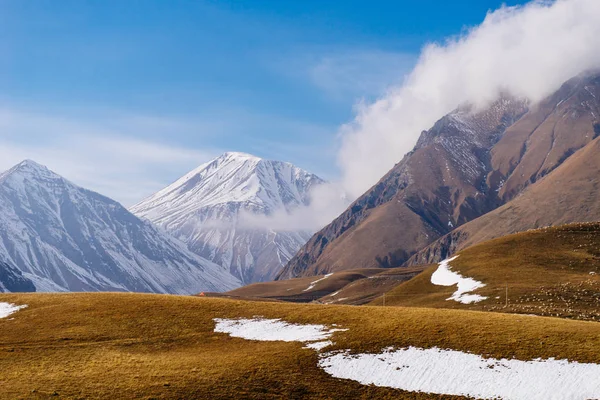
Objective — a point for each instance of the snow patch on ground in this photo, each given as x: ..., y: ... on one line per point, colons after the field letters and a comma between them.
x: 312, y: 284
x: 443, y: 276
x: 453, y: 372
x: 434, y: 370
x: 7, y: 309
x: 277, y: 330
x: 318, y: 346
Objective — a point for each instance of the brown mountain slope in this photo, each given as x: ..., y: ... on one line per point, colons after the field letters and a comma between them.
x: 550, y: 271
x: 435, y: 187
x: 546, y: 136
x: 465, y: 166
x: 569, y: 194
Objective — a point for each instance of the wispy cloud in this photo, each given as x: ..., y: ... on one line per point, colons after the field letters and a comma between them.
x: 345, y: 75
x: 350, y: 75
x: 101, y: 157
x: 129, y: 156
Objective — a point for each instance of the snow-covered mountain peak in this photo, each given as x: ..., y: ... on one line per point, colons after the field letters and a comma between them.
x: 237, y: 155
x: 262, y: 185
x: 64, y: 237
x: 204, y: 208
x: 29, y: 168
x: 30, y: 164
x: 31, y: 177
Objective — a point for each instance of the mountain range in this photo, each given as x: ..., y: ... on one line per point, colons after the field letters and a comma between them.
x: 477, y: 174
x: 57, y: 236
x: 211, y: 209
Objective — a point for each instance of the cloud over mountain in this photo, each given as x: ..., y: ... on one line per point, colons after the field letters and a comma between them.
x: 525, y: 50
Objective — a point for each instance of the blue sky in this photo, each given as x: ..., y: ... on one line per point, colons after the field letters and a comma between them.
x: 125, y: 96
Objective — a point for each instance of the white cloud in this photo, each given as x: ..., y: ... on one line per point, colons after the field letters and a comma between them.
x: 528, y: 51
x: 94, y: 156
x: 326, y: 202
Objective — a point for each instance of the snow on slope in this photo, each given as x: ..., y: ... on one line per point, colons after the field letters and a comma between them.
x: 7, y: 309
x: 273, y: 330
x: 262, y: 329
x: 66, y: 238
x: 203, y: 209
x: 443, y: 276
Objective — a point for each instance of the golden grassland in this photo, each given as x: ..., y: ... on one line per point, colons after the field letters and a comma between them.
x: 550, y: 272
x: 138, y: 346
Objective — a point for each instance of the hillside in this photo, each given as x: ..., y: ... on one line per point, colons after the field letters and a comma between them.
x: 470, y: 163
x: 549, y: 271
x: 212, y: 208
x: 346, y: 287
x: 136, y: 346
x: 62, y: 237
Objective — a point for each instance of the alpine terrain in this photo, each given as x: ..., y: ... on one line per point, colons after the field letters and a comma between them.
x: 56, y: 236
x: 469, y: 164
x: 12, y: 280
x: 207, y: 207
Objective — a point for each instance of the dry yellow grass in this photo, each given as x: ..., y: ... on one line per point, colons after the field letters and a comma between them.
x: 137, y: 346
x: 550, y: 271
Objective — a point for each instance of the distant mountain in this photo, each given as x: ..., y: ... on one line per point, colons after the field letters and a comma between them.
x: 12, y: 280
x: 65, y: 238
x: 205, y: 209
x: 468, y: 164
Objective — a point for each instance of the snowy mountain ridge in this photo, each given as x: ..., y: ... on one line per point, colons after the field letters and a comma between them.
x: 231, y: 178
x: 66, y: 238
x: 203, y: 209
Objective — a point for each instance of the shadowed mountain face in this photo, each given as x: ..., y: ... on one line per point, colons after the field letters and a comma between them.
x: 65, y: 238
x: 468, y: 164
x: 212, y: 208
x: 12, y: 280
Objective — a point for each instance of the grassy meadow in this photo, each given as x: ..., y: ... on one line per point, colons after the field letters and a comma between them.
x: 548, y: 272
x: 138, y: 346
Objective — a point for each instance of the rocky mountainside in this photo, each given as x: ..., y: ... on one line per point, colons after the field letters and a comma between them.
x: 212, y: 208
x: 467, y: 165
x: 12, y: 280
x: 569, y: 194
x: 437, y: 186
x: 65, y: 238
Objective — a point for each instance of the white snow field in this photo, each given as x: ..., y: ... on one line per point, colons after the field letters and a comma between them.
x: 277, y: 330
x: 457, y: 373
x: 443, y: 276
x: 7, y: 309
